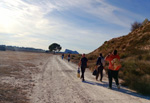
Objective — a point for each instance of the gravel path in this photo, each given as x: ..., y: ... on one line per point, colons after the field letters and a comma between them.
x: 57, y: 83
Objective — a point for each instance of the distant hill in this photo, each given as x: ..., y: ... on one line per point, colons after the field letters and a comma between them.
x: 67, y: 51
x: 15, y: 48
x: 134, y: 50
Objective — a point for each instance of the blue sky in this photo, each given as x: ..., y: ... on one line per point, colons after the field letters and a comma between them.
x: 81, y: 25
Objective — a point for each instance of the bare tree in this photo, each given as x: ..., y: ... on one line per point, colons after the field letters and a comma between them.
x: 135, y: 25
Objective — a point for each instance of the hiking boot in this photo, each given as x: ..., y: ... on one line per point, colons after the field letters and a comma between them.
x: 118, y: 86
x: 109, y: 87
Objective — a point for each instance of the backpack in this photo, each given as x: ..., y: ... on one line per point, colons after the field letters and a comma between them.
x: 116, y: 63
x: 95, y: 72
x: 103, y: 61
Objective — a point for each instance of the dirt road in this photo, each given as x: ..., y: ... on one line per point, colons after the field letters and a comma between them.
x: 57, y: 83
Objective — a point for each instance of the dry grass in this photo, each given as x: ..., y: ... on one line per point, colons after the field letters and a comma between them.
x: 11, y: 94
x: 16, y: 69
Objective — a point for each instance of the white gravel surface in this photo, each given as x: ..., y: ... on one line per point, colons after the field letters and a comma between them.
x: 57, y: 82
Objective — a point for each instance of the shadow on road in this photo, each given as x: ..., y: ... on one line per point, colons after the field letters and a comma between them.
x: 122, y: 89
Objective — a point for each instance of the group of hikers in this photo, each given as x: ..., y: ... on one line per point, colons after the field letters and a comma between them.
x: 68, y: 57
x: 113, y: 68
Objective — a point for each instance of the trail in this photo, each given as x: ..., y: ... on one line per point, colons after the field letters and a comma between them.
x: 57, y: 83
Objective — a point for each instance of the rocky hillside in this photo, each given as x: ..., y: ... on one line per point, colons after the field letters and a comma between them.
x: 134, y: 50
x: 136, y: 42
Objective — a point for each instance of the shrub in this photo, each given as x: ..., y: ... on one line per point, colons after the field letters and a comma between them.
x: 145, y: 21
x: 135, y: 25
x: 146, y: 57
x: 146, y: 29
x: 73, y: 56
x: 105, y: 42
x: 136, y: 75
x: 139, y: 57
x: 124, y: 46
x: 141, y: 85
x: 123, y: 55
x: 91, y: 57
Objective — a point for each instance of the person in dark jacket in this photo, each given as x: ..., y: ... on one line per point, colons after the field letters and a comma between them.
x: 83, y: 64
x: 62, y: 56
x: 100, y: 66
x: 68, y: 57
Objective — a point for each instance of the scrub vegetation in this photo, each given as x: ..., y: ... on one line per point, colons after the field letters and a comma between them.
x: 134, y: 50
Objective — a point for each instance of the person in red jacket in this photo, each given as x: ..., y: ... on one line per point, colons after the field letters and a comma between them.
x: 113, y: 69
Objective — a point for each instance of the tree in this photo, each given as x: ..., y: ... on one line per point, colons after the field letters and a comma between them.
x: 135, y: 25
x: 54, y: 47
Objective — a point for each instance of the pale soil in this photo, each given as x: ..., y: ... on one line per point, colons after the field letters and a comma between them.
x: 16, y: 70
x: 46, y: 78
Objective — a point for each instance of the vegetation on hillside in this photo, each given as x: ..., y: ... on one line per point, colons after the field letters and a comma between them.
x: 134, y: 50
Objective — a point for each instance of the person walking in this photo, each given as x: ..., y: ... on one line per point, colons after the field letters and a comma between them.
x: 83, y: 64
x: 100, y: 66
x: 113, y: 69
x: 62, y: 56
x: 68, y: 57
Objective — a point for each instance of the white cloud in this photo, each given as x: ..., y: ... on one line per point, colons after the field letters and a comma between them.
x: 19, y: 17
x: 28, y: 25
